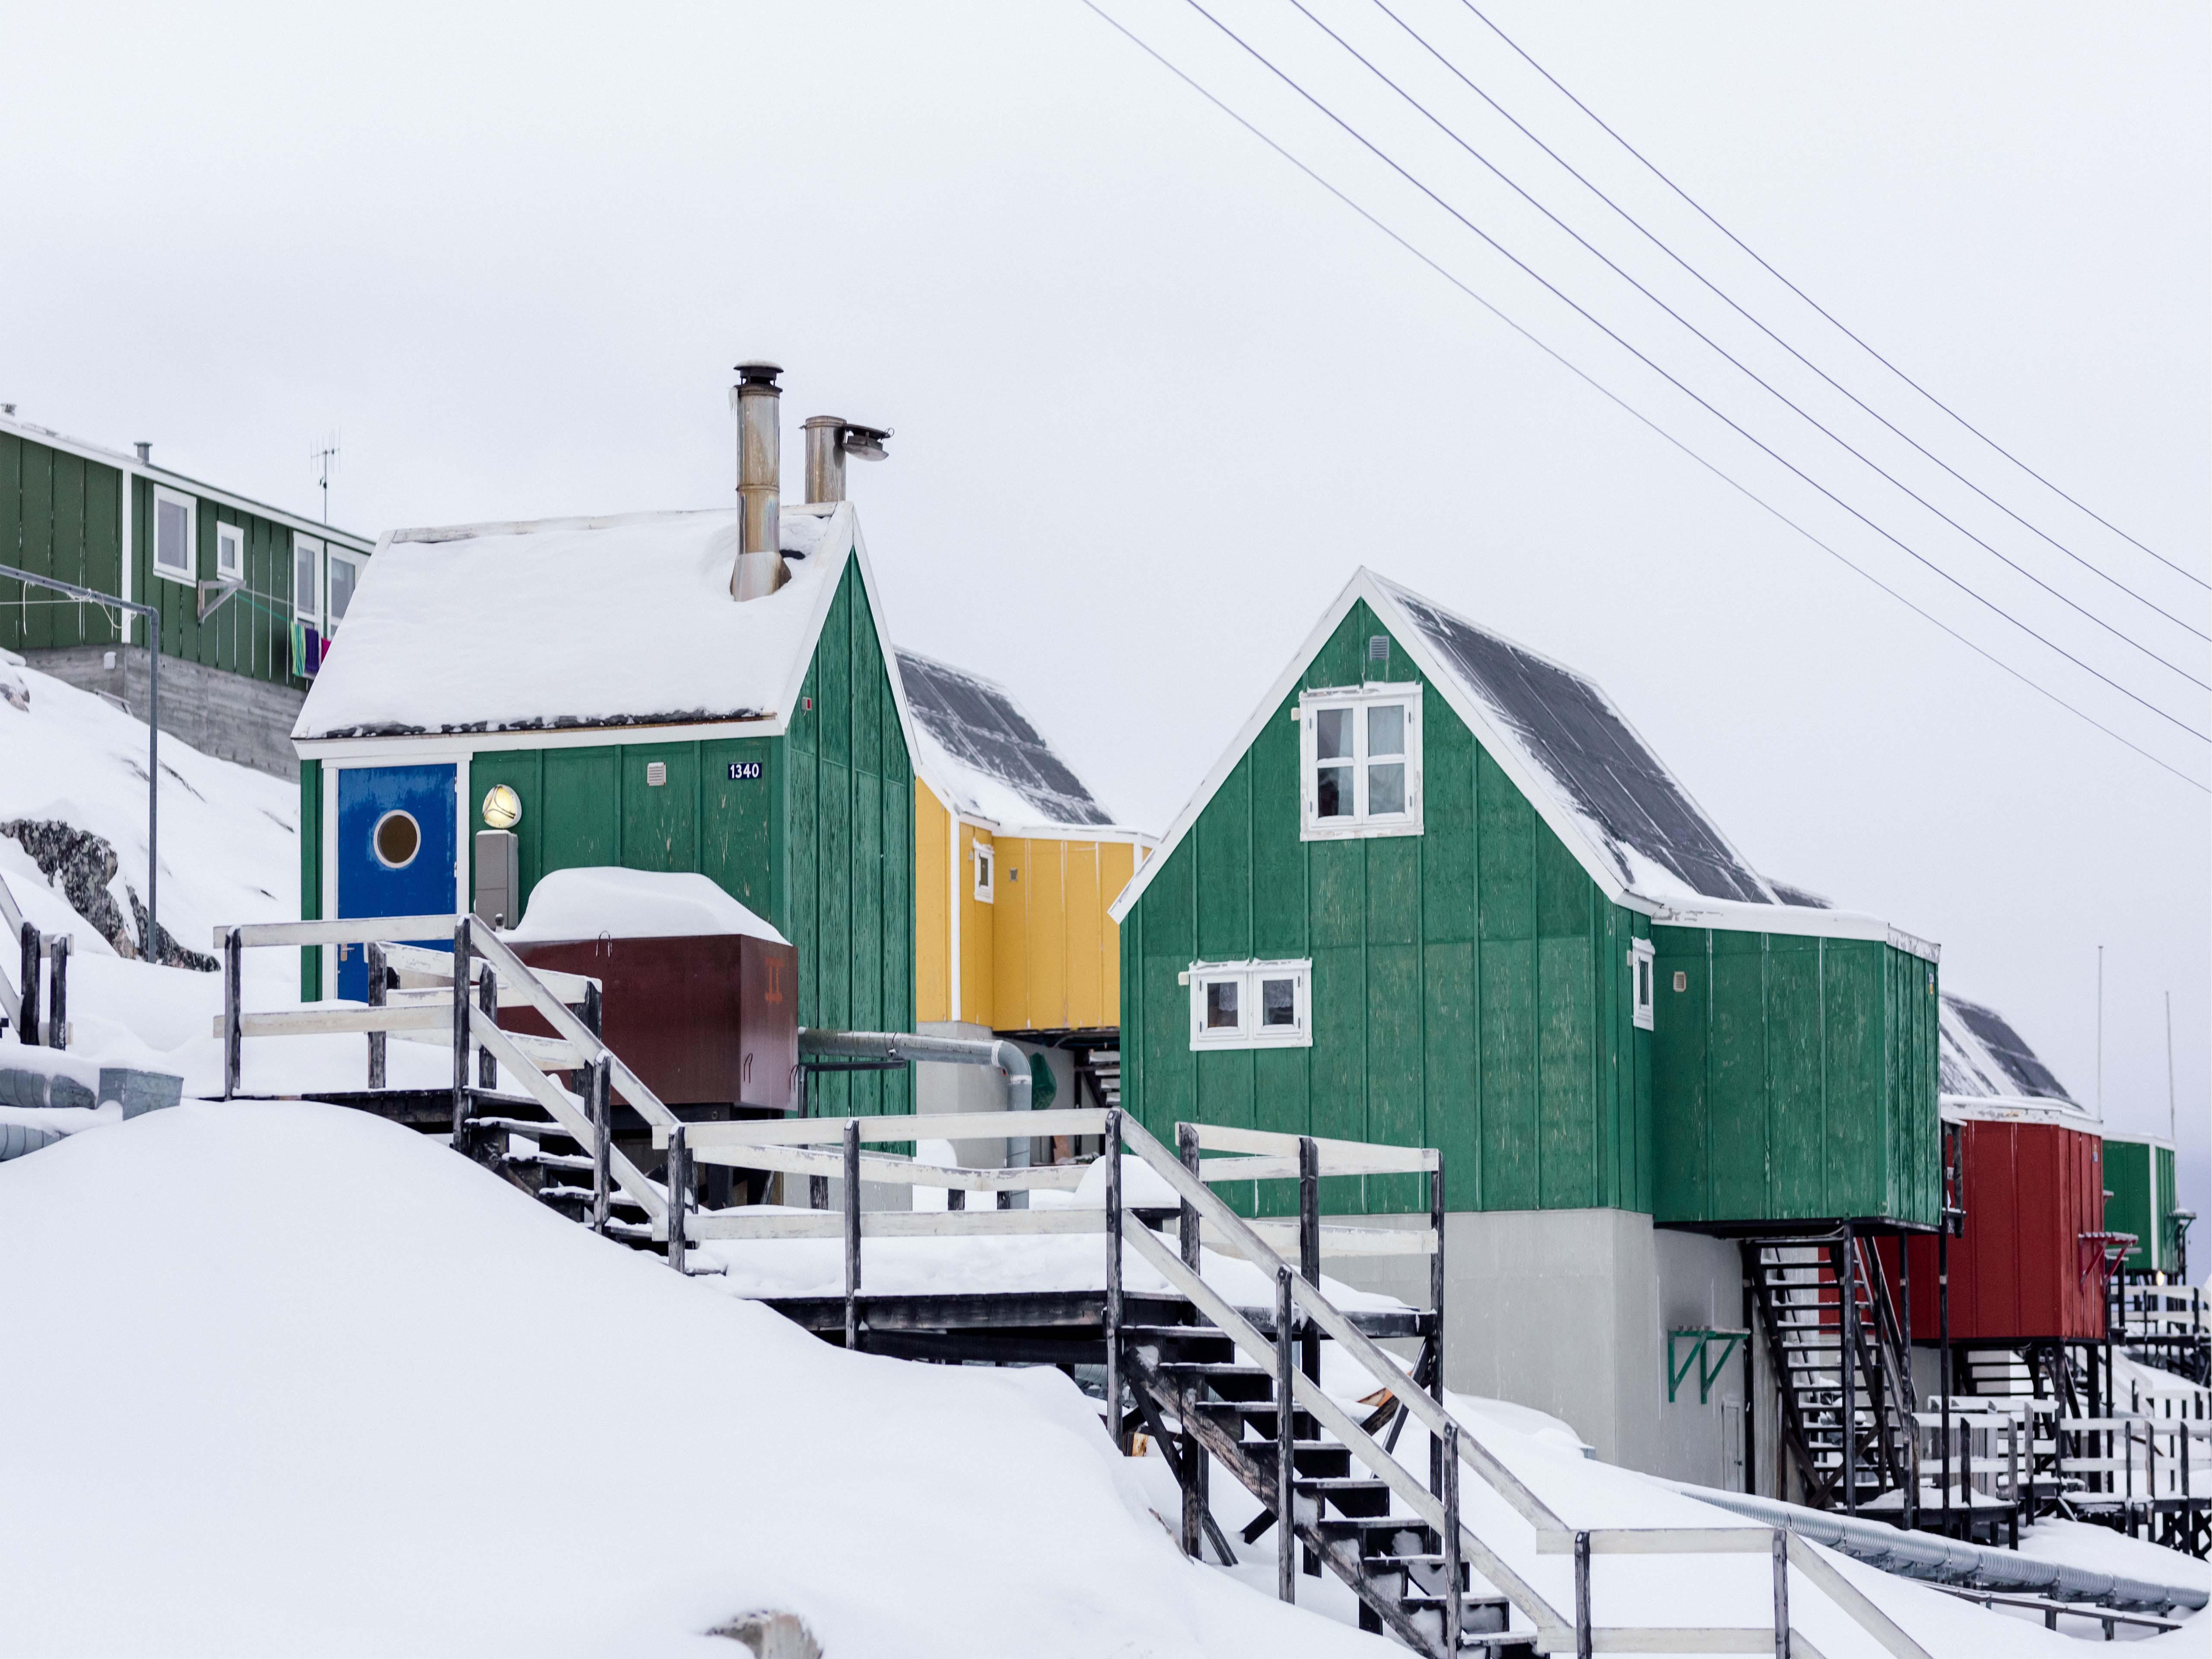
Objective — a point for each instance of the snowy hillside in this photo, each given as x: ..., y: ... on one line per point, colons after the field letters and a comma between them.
x: 397, y: 1407
x: 229, y: 854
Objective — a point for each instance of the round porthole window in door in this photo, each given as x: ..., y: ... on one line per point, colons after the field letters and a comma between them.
x: 397, y: 838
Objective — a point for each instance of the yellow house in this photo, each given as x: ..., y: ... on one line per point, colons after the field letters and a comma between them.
x: 1015, y: 864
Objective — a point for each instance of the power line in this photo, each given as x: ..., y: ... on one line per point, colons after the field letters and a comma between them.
x: 1754, y: 375
x: 1552, y: 288
x: 2087, y: 564
x: 1614, y: 398
x: 1835, y: 321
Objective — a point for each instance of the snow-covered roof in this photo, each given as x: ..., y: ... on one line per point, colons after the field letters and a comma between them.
x: 1595, y: 781
x: 983, y: 754
x: 567, y: 622
x: 1984, y: 1067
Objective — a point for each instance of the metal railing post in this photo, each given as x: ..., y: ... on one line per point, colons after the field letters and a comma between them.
x: 1436, y: 1459
x: 1582, y: 1595
x: 1111, y: 1315
x: 379, y: 1050
x: 33, y: 1034
x: 1454, y: 1607
x: 679, y: 1183
x: 58, y: 955
x: 1286, y: 1543
x: 1186, y: 1234
x: 1781, y: 1594
x: 1310, y: 1245
x: 234, y: 1013
x: 1848, y: 1335
x: 488, y: 1005
x: 851, y: 1234
x: 600, y: 1082
x: 461, y: 1035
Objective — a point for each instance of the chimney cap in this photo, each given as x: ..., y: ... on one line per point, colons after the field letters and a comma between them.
x: 145, y: 451
x: 759, y: 374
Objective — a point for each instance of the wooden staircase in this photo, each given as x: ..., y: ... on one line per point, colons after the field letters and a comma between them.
x: 1841, y: 1367
x: 1202, y: 1403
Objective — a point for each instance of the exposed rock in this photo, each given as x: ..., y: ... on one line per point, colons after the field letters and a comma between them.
x: 83, y: 865
x: 772, y: 1635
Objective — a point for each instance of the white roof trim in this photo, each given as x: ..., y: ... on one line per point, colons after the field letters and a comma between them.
x: 1541, y: 793
x: 2017, y: 1108
x: 131, y: 466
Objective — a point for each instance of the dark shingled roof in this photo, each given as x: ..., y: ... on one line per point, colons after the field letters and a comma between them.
x: 1570, y: 729
x: 981, y: 728
x: 2017, y: 1069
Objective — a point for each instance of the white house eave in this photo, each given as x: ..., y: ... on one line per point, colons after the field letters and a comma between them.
x: 132, y: 466
x: 1732, y: 917
x: 2016, y: 1108
x: 427, y: 743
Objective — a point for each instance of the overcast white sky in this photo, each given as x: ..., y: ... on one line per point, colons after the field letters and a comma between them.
x: 1156, y: 394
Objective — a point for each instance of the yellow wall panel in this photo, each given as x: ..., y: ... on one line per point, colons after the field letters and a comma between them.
x: 978, y: 935
x: 1086, y: 974
x: 1009, y: 938
x: 1045, y: 876
x: 932, y: 914
x: 1117, y: 866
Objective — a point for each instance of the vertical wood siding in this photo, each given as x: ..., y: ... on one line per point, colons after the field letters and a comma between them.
x: 820, y: 843
x: 1469, y: 984
x: 1794, y: 1079
x: 60, y: 516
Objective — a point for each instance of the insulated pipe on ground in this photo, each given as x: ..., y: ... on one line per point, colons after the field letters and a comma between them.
x: 944, y: 1051
x: 1949, y: 1560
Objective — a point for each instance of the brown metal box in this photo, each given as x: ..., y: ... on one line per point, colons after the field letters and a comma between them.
x: 704, y: 1019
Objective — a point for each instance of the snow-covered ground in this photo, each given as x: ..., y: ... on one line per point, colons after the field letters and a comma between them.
x: 288, y: 1379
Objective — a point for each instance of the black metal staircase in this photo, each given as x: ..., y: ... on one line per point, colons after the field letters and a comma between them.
x: 1841, y: 1367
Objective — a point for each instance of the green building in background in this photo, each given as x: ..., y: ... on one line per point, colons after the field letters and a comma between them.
x: 250, y: 595
x: 1438, y: 891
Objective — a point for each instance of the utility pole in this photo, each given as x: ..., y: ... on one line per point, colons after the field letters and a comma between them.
x: 323, y: 458
x: 2171, y: 1121
x: 2100, y: 1034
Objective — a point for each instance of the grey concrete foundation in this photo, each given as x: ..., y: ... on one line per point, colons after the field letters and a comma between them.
x: 1567, y: 1311
x: 231, y: 716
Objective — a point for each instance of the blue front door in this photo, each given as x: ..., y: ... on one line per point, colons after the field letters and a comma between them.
x: 397, y: 839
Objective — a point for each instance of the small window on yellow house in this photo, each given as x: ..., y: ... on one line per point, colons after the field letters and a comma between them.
x: 986, y: 874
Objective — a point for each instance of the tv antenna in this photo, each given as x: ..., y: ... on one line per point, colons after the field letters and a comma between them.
x: 323, y: 458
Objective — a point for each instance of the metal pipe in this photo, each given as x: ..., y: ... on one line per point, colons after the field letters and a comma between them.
x: 1112, y: 1312
x: 944, y: 1051
x: 760, y: 569
x: 1949, y: 1560
x: 825, y: 457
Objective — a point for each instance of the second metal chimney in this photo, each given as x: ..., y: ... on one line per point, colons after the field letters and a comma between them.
x: 760, y: 568
x: 829, y: 440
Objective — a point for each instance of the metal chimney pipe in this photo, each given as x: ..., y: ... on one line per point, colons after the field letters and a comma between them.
x: 825, y: 457
x: 760, y: 569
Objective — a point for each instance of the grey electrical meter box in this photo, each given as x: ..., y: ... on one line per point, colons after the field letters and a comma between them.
x: 499, y: 878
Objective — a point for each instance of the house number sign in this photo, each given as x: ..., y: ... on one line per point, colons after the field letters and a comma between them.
x: 743, y: 771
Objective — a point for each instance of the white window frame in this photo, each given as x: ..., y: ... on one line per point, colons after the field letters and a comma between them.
x: 1249, y: 1033
x: 1643, y: 982
x: 1361, y: 824
x: 229, y: 552
x: 311, y: 612
x: 332, y: 556
x: 190, y: 573
x: 983, y: 859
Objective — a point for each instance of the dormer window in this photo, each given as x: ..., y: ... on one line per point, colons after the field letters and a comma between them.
x: 1360, y: 762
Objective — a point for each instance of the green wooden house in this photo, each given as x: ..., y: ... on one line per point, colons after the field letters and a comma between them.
x: 248, y: 593
x: 645, y: 718
x: 1438, y: 891
x: 2141, y: 1199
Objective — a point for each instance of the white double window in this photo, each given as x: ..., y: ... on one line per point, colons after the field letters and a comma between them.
x: 308, y: 580
x: 1640, y: 976
x: 1251, y: 1005
x: 1359, y: 753
x: 173, y: 557
x: 345, y: 576
x: 230, y: 552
